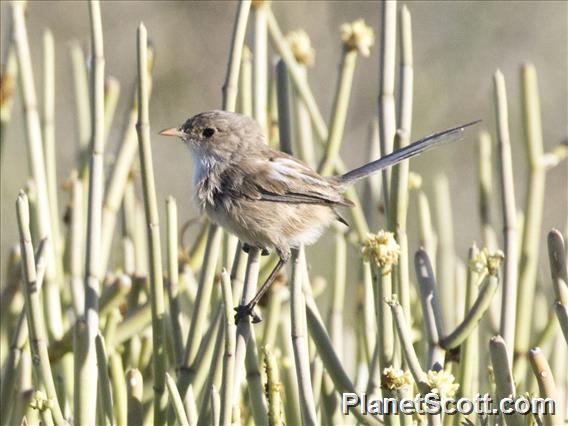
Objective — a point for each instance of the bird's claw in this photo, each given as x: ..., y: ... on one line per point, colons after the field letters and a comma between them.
x: 244, y: 311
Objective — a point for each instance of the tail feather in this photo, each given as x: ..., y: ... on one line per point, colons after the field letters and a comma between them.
x: 405, y: 153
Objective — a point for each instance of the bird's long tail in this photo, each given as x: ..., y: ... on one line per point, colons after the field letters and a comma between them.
x: 405, y: 153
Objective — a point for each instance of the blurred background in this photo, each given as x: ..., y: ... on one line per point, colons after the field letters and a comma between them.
x: 457, y: 48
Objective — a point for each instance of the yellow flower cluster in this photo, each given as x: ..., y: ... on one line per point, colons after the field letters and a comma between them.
x: 395, y: 378
x: 442, y: 383
x: 486, y: 261
x: 381, y: 248
x: 301, y: 47
x: 358, y: 36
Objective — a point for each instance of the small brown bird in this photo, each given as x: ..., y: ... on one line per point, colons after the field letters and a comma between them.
x: 267, y: 198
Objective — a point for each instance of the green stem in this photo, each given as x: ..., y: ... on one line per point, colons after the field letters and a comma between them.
x: 339, y: 110
x: 474, y: 315
x: 485, y: 179
x: 260, y: 66
x: 534, y: 204
x: 433, y: 321
x: 273, y: 389
x: 134, y: 387
x: 229, y: 355
x: 173, y: 278
x: 104, y: 391
x: 153, y: 232
x: 32, y: 277
x: 299, y: 339
x: 546, y: 384
x: 505, y: 386
x: 331, y: 361
x: 177, y: 403
x: 387, y: 120
x: 509, y: 209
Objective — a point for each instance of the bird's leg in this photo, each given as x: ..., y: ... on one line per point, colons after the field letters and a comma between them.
x: 245, y: 310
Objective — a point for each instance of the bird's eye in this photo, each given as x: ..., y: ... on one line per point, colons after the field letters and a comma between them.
x: 208, y: 132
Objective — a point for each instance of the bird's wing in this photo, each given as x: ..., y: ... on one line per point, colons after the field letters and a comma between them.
x: 281, y: 178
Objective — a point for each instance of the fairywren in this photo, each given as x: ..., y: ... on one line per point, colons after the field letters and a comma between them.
x: 268, y: 198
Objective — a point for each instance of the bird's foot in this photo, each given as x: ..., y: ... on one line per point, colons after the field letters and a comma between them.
x: 244, y: 311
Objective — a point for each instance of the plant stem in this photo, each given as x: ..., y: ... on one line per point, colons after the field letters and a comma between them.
x: 433, y: 321
x: 173, y: 278
x: 405, y: 337
x: 485, y: 178
x: 134, y: 387
x: 273, y: 389
x: 509, y: 209
x: 32, y: 280
x: 153, y: 233
x: 505, y: 386
x: 387, y: 120
x: 534, y: 204
x: 339, y: 110
x: 229, y: 356
x: 331, y: 361
x: 260, y: 66
x: 104, y: 393
x: 546, y: 384
x: 299, y: 339
x: 244, y: 327
x: 473, y: 316
x: 559, y: 274
x: 81, y: 89
x: 177, y: 403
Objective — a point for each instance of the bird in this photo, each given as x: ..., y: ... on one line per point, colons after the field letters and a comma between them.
x: 267, y: 198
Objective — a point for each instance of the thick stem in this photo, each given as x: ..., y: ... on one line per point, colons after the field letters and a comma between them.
x: 153, y: 233
x: 509, y: 210
x: 300, y: 341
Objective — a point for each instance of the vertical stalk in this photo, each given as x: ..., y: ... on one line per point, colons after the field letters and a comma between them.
x: 134, y: 387
x: 37, y: 165
x: 153, y: 233
x: 273, y: 389
x: 284, y: 108
x: 485, y: 179
x: 300, y: 340
x: 230, y: 87
x: 430, y: 309
x: 48, y: 135
x: 176, y: 401
x: 229, y: 355
x: 505, y: 386
x: 86, y: 386
x: 339, y: 111
x: 244, y: 327
x: 32, y: 280
x: 446, y: 265
x: 81, y: 89
x: 387, y: 120
x: 534, y: 203
x: 546, y: 384
x: 338, y: 294
x: 260, y: 65
x: 173, y: 278
x: 372, y: 188
x: 75, y: 247
x: 468, y: 367
x: 104, y: 394
x: 509, y: 297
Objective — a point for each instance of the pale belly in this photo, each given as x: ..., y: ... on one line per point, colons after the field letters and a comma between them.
x: 272, y: 225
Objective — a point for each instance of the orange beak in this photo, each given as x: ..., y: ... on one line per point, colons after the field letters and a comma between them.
x: 172, y: 132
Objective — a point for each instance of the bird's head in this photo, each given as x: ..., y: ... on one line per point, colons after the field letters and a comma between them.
x: 216, y: 131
